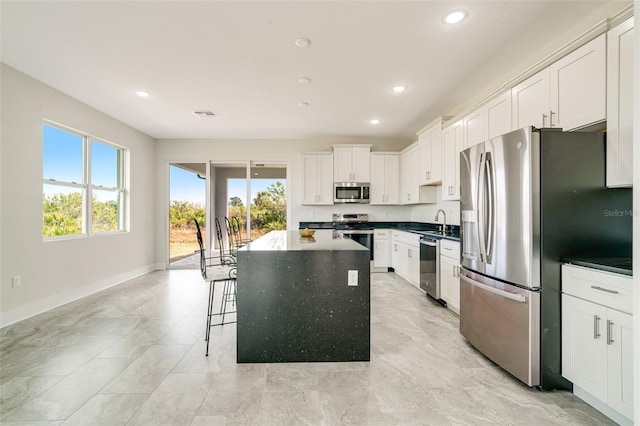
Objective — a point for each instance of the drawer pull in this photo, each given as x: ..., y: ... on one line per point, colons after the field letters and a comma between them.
x: 609, y: 332
x: 595, y: 287
x: 596, y: 326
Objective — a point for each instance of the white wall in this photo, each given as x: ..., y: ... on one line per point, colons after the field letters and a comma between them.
x: 56, y: 272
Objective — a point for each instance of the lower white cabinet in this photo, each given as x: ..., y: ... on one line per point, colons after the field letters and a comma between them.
x: 597, y: 339
x: 405, y: 256
x: 450, y: 274
x: 382, y: 248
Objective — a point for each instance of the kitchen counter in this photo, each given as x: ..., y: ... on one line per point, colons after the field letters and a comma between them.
x: 292, y: 241
x: 302, y: 301
x: 416, y: 227
x: 617, y: 265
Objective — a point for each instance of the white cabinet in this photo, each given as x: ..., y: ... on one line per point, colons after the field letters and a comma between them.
x: 498, y: 115
x: 405, y: 256
x: 597, y: 337
x: 475, y: 127
x: 411, y: 191
x: 382, y: 248
x: 570, y: 93
x: 530, y: 101
x: 317, y: 178
x: 385, y: 178
x: 620, y: 105
x: 453, y: 144
x: 352, y: 163
x: 409, y: 177
x: 430, y: 148
x: 450, y: 274
x: 491, y: 119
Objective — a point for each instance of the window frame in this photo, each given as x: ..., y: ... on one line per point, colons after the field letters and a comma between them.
x: 87, y: 187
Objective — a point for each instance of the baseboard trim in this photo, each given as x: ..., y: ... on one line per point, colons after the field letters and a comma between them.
x: 32, y: 309
x: 601, y: 406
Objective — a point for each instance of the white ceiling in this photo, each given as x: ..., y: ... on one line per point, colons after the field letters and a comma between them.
x: 238, y: 58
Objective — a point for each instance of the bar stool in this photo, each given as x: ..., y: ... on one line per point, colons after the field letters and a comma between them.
x: 224, y: 271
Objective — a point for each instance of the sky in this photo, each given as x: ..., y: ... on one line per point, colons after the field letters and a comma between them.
x: 62, y: 161
x: 186, y: 186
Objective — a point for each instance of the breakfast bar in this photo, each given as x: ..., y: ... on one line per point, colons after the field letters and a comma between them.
x: 303, y: 299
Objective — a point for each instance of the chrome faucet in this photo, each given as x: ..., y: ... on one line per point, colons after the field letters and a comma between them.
x: 444, y: 220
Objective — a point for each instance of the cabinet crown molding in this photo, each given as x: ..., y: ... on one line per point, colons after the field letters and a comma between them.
x: 595, y: 31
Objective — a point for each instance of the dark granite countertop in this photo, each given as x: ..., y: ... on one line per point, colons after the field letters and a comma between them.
x: 618, y: 265
x: 292, y: 241
x: 416, y: 227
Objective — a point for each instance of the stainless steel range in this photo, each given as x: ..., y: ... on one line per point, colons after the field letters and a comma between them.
x: 354, y: 226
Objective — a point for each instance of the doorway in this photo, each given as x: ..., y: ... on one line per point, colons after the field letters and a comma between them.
x: 187, y: 200
x: 254, y: 193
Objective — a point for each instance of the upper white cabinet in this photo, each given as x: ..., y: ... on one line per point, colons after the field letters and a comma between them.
x: 570, y: 93
x: 597, y: 338
x: 530, y: 101
x: 620, y: 105
x: 430, y: 147
x: 498, y: 113
x: 385, y: 179
x: 352, y: 163
x: 411, y: 191
x: 409, y: 175
x: 453, y: 144
x: 475, y: 127
x: 317, y: 178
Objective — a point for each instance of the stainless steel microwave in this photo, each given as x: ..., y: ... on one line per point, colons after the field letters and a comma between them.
x: 351, y: 192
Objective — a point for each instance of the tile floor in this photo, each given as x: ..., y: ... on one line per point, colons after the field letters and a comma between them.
x: 134, y: 355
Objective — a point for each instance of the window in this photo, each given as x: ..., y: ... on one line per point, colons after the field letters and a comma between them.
x: 83, y: 184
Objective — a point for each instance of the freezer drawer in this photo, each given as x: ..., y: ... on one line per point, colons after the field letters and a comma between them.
x: 503, y: 322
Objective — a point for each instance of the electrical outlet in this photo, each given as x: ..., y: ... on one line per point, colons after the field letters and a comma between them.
x: 353, y: 278
x: 16, y: 281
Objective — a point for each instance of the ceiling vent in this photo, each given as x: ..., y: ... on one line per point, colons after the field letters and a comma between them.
x: 205, y: 114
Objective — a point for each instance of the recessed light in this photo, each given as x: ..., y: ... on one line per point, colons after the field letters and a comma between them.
x: 374, y: 121
x: 304, y: 80
x: 399, y: 88
x: 303, y: 42
x: 303, y: 104
x: 142, y: 93
x: 455, y: 16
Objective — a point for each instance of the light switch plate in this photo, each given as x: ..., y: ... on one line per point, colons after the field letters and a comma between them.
x: 353, y: 278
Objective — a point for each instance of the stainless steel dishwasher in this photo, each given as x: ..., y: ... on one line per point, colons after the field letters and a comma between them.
x: 429, y: 268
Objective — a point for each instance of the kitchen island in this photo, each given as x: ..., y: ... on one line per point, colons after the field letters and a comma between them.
x: 303, y: 300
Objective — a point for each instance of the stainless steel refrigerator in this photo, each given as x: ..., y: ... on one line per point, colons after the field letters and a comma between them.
x: 529, y: 198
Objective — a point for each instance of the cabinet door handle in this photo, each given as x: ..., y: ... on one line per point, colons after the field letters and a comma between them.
x: 596, y: 326
x: 551, y: 118
x: 409, y: 253
x: 544, y: 117
x: 606, y: 290
x: 609, y: 332
x: 395, y: 247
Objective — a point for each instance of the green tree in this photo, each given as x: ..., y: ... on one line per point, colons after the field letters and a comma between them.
x: 62, y: 214
x: 269, y: 208
x: 105, y: 216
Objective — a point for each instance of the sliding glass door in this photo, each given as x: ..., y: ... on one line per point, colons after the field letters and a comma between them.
x: 255, y: 193
x: 187, y: 200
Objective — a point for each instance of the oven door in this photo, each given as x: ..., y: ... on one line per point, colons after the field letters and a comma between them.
x: 361, y: 236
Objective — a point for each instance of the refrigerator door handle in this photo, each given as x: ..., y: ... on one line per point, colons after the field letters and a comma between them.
x: 515, y: 297
x: 491, y: 220
x: 481, y: 203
